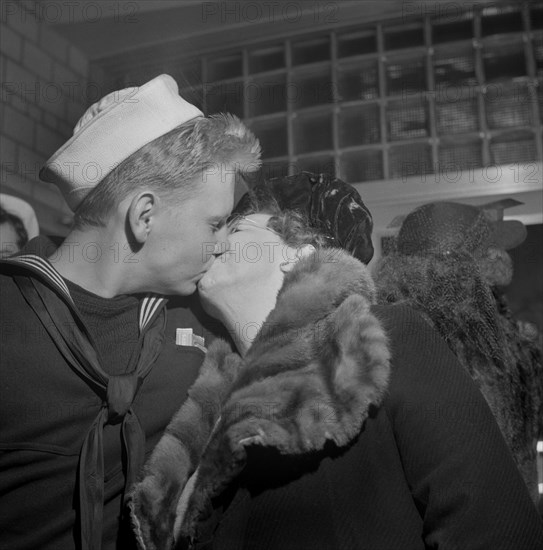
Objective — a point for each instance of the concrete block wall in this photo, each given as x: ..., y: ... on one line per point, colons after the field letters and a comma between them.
x: 46, y: 87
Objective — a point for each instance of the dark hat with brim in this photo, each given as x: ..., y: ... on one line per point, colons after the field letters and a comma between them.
x: 444, y: 227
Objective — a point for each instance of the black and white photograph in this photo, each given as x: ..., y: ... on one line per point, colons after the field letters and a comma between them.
x: 271, y: 275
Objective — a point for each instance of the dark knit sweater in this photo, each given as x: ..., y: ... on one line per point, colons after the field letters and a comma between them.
x: 113, y: 323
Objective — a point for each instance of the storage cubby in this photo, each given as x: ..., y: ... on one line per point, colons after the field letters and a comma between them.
x: 390, y: 99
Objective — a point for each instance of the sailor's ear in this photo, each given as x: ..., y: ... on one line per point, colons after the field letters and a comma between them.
x: 141, y: 211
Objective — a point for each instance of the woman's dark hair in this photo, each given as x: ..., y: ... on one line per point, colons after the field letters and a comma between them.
x: 291, y: 225
x: 17, y: 224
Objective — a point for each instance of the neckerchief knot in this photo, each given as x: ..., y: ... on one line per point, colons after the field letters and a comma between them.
x: 121, y: 391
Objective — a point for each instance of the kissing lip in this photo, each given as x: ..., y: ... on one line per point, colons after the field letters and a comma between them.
x: 204, y: 272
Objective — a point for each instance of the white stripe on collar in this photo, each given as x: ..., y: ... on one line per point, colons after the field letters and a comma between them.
x: 148, y: 306
x: 46, y: 269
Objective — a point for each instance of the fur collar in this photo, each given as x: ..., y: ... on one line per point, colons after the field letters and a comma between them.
x: 317, y: 364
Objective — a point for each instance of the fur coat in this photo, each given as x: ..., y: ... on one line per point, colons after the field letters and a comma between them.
x: 318, y: 363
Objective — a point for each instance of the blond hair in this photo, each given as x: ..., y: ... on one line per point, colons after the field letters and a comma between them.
x: 173, y: 164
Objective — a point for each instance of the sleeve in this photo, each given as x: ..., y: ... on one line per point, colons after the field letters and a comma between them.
x: 457, y: 465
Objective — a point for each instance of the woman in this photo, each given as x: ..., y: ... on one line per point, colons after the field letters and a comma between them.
x: 18, y: 224
x: 337, y: 425
x: 451, y: 264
